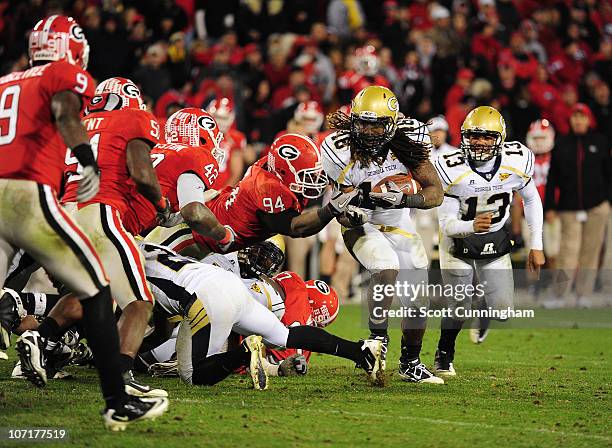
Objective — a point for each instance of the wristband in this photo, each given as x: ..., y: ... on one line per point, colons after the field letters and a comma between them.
x: 85, y: 155
x: 413, y: 200
x: 227, y: 238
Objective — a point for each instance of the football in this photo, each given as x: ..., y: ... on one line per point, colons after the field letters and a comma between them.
x: 405, y: 182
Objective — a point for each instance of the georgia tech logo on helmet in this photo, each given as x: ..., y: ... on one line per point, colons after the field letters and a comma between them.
x: 392, y: 104
x: 131, y: 90
x: 77, y: 33
x: 207, y: 123
x: 322, y: 286
x: 288, y: 152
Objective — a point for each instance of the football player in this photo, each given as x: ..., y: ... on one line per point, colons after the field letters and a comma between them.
x: 368, y: 146
x: 123, y: 134
x: 187, y: 168
x: 42, y: 107
x: 479, y: 181
x: 270, y: 200
x: 213, y: 303
x: 233, y: 144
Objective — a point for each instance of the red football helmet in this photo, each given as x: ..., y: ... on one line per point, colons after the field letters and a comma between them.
x: 310, y: 116
x: 323, y: 301
x: 366, y: 61
x: 195, y: 127
x: 58, y: 38
x: 295, y: 159
x: 540, y: 137
x: 223, y: 111
x: 116, y: 93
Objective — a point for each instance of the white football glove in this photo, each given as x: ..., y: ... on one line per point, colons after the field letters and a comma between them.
x: 340, y: 201
x: 89, y: 185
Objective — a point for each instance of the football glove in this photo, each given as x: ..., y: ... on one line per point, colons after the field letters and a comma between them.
x: 352, y: 217
x: 293, y: 365
x: 395, y: 198
x: 89, y: 185
x: 165, y: 217
x: 340, y: 201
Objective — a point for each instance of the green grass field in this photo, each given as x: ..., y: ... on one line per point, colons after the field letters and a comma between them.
x: 522, y: 388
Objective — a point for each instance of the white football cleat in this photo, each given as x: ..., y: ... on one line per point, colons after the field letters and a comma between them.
x: 30, y: 347
x: 133, y: 410
x: 417, y: 372
x: 3, y: 356
x: 254, y: 345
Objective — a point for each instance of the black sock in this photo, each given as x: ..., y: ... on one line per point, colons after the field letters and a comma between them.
x: 320, y: 341
x: 50, y: 329
x: 410, y: 350
x: 448, y: 335
x: 217, y: 367
x: 326, y: 278
x: 103, y: 338
x: 378, y: 332
x: 38, y: 304
x: 127, y: 362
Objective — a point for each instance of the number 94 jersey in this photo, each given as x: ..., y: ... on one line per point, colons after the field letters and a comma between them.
x: 486, y: 192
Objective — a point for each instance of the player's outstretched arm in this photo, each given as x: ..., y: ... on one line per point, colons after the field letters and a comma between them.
x: 425, y: 174
x: 66, y: 110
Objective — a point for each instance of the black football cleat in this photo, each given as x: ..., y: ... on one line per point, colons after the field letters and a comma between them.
x: 134, y: 409
x: 417, y: 372
x: 30, y: 347
x: 443, y: 363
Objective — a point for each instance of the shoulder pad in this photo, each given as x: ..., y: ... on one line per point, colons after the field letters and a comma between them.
x: 518, y: 158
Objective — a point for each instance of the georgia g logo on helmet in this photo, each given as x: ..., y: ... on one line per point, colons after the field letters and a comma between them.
x: 131, y: 90
x: 288, y: 152
x: 77, y: 33
x: 322, y: 286
x: 207, y: 123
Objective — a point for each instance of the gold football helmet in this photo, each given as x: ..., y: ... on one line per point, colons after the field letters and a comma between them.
x: 266, y: 257
x: 374, y: 114
x: 483, y: 133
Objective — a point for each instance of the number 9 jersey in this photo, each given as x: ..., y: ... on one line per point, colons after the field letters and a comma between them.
x: 492, y: 191
x: 30, y: 145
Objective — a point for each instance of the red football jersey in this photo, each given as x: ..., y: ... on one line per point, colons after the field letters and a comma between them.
x: 237, y: 207
x: 233, y: 144
x: 170, y: 161
x: 297, y: 310
x: 30, y: 145
x: 541, y: 167
x: 109, y: 133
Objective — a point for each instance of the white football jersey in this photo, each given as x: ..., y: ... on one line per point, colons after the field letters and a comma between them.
x: 265, y: 294
x: 228, y: 262
x: 489, y: 192
x: 337, y: 163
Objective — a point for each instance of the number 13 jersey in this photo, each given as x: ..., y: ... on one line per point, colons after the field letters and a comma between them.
x: 492, y: 191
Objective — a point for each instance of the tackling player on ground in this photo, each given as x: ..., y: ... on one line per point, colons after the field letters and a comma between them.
x: 368, y: 146
x: 479, y: 181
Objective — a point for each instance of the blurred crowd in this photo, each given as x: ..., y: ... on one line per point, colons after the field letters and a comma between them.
x: 283, y: 64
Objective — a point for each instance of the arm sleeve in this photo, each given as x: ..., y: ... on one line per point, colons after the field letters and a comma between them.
x: 278, y: 222
x: 534, y: 214
x: 189, y: 188
x: 450, y: 224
